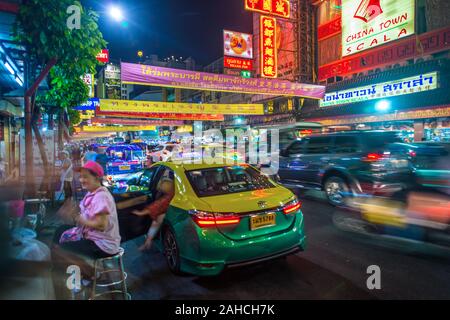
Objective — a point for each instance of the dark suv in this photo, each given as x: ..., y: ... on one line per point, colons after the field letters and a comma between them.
x: 346, y: 163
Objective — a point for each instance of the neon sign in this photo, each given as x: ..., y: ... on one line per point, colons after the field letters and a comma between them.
x: 420, y: 83
x: 281, y: 8
x: 269, y: 64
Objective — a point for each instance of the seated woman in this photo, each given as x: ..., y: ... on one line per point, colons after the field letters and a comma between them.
x: 157, y: 210
x: 96, y: 234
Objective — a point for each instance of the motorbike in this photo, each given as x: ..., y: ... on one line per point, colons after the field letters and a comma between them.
x: 420, y: 214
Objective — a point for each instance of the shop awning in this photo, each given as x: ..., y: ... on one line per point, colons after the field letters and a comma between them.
x: 8, y: 109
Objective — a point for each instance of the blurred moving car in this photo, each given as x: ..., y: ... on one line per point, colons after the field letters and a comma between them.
x: 163, y: 152
x: 220, y: 217
x: 422, y: 213
x: 124, y: 159
x: 126, y: 182
x: 423, y: 155
x: 140, y: 144
x: 346, y: 163
x: 210, y: 151
x: 118, y: 140
x: 423, y: 216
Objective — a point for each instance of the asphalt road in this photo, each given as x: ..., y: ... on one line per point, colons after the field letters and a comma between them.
x: 334, y: 266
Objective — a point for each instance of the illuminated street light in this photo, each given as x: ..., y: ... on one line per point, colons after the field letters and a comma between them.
x: 116, y: 13
x: 383, y: 105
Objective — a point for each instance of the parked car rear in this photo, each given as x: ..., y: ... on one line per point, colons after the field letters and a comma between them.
x: 346, y: 163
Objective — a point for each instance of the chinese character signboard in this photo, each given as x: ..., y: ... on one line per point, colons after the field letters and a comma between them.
x: 268, y: 42
x: 236, y: 63
x: 279, y: 8
x: 238, y: 44
x: 370, y: 23
x: 420, y: 83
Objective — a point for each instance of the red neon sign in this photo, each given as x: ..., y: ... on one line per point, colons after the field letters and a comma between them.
x: 281, y: 8
x: 103, y: 56
x: 238, y: 63
x: 269, y: 63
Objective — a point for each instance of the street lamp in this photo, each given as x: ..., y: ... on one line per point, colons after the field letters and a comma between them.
x: 116, y: 13
x: 382, y: 105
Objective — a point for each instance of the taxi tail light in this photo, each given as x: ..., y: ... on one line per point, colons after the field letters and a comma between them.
x: 208, y: 219
x: 292, y: 207
x: 373, y: 157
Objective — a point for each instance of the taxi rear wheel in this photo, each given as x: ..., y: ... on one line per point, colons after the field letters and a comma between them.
x: 171, y: 251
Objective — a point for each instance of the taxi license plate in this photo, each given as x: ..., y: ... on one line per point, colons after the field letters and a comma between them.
x: 262, y: 221
x: 123, y: 168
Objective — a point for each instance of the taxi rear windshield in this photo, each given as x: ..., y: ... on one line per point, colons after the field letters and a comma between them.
x: 225, y: 180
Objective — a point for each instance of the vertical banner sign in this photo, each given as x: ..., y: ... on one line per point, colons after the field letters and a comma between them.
x: 268, y: 41
x: 370, y: 23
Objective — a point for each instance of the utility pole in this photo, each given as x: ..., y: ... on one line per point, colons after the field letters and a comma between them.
x: 29, y: 178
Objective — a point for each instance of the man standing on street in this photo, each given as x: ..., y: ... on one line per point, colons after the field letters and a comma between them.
x: 66, y: 175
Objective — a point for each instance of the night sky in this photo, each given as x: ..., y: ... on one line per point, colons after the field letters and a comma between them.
x: 171, y: 27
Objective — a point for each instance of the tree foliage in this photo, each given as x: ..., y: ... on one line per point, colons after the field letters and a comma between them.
x: 41, y: 26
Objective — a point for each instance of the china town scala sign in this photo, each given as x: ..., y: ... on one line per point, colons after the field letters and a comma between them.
x: 370, y: 23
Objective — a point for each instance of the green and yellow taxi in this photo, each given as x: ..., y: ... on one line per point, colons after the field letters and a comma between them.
x: 222, y: 216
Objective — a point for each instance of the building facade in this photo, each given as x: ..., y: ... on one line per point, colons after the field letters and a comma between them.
x: 390, y: 71
x: 11, y: 91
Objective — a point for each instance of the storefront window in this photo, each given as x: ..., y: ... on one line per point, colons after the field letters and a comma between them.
x: 329, y: 10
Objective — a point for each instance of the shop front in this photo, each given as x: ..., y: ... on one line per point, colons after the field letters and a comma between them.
x: 413, y: 99
x: 9, y: 129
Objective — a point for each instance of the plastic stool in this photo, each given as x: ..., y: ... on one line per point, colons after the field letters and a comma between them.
x: 119, y: 270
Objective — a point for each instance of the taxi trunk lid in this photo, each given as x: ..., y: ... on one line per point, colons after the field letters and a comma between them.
x: 260, y: 212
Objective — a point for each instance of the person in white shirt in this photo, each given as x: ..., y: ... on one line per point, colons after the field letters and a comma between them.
x: 66, y: 174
